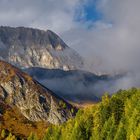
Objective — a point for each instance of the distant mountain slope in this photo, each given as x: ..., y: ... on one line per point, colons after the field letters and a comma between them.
x: 34, y: 101
x: 74, y: 85
x: 27, y: 47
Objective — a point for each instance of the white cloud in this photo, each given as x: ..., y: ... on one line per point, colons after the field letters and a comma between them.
x: 53, y: 14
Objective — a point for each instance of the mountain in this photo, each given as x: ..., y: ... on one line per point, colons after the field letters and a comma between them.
x: 27, y: 47
x: 74, y: 85
x: 35, y: 102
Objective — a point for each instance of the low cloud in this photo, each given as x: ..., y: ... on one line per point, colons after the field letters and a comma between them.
x: 111, y: 45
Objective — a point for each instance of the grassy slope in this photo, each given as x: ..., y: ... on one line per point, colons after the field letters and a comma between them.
x: 13, y: 121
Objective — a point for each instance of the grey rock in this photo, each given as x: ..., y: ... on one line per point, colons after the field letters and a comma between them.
x: 27, y: 47
x: 34, y: 101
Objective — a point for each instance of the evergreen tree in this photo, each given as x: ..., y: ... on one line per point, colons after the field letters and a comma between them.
x: 121, y: 132
x: 32, y: 137
x: 3, y: 133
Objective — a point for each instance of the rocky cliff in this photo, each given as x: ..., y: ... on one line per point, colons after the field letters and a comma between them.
x: 27, y: 47
x: 34, y: 101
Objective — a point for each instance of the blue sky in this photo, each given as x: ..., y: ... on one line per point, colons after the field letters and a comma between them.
x: 88, y: 12
x: 91, y: 13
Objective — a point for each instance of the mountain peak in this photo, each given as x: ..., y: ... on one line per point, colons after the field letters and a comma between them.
x: 28, y: 47
x: 28, y: 36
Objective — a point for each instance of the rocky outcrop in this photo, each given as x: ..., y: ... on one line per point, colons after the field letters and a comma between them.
x: 27, y: 47
x: 34, y: 101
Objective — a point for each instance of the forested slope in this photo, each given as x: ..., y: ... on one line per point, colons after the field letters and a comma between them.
x: 115, y: 118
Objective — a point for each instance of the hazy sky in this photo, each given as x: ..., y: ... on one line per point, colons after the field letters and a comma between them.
x: 106, y: 32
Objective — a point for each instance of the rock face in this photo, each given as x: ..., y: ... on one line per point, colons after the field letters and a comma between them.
x: 27, y: 47
x: 34, y: 101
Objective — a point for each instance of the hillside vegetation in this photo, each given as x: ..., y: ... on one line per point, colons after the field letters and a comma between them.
x: 115, y: 118
x: 13, y: 125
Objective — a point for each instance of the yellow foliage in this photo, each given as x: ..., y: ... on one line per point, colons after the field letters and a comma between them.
x: 133, y: 137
